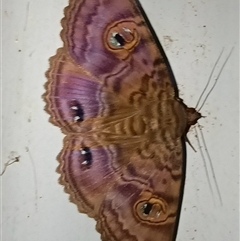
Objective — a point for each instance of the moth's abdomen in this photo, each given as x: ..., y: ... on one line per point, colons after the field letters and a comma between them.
x: 166, y: 121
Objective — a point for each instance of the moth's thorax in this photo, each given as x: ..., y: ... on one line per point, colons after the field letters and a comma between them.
x: 161, y: 119
x: 167, y: 122
x: 192, y: 117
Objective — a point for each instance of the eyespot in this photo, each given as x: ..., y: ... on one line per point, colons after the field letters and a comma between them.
x: 121, y: 38
x: 146, y: 208
x: 76, y: 111
x: 86, y: 157
x: 151, y: 209
x: 117, y: 40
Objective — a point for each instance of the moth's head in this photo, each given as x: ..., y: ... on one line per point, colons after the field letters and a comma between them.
x: 192, y: 117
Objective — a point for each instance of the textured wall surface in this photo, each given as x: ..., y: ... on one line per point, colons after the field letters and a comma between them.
x: 193, y: 33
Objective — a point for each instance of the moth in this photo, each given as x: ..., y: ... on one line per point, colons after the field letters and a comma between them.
x: 112, y: 92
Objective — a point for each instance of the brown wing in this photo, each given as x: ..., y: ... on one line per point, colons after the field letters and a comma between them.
x: 111, y: 91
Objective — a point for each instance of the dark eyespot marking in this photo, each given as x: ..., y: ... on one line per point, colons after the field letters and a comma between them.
x: 119, y: 39
x: 152, y: 210
x: 76, y: 111
x: 86, y: 157
x: 146, y: 208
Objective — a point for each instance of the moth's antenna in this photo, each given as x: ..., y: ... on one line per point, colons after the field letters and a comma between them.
x: 217, y: 78
x: 204, y: 161
x: 211, y: 165
x: 209, y: 78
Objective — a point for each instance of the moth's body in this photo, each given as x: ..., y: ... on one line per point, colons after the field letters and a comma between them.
x: 153, y: 124
x: 160, y: 117
x: 112, y: 92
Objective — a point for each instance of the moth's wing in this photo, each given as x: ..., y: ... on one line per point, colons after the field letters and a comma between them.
x: 93, y: 35
x: 88, y: 176
x: 137, y: 199
x: 75, y: 97
x: 72, y: 95
x: 143, y: 205
x: 109, y: 66
x: 90, y: 60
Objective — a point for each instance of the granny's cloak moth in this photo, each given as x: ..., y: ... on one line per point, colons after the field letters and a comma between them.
x: 111, y: 90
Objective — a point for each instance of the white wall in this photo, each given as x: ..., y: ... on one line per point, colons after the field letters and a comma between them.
x: 33, y: 203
